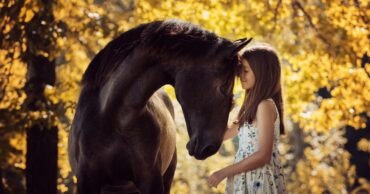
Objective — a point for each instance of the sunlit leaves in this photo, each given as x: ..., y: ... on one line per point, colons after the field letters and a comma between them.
x: 320, y: 44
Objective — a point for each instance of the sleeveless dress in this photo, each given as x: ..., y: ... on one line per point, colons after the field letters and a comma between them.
x: 264, y: 180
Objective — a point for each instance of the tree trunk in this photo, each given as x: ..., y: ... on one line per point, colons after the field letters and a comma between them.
x: 296, y: 139
x: 42, y: 138
x: 42, y: 135
x: 41, y: 165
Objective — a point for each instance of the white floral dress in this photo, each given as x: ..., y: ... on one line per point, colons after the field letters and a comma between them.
x: 264, y: 180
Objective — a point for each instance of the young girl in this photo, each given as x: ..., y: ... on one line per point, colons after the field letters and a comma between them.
x: 256, y: 168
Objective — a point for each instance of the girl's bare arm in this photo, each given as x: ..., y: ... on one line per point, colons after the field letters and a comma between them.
x: 232, y: 131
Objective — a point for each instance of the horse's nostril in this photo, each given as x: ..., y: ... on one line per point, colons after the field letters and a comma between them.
x: 209, y: 150
x: 191, y: 146
x: 188, y: 147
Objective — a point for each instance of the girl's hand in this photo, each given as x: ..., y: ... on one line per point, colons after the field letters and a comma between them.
x: 216, y: 178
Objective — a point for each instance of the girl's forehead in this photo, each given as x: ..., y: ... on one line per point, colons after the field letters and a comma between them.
x: 245, y: 63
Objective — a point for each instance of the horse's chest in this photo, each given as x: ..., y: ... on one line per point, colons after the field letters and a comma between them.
x: 167, y: 144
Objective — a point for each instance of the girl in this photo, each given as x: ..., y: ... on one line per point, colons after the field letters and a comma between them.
x: 257, y: 168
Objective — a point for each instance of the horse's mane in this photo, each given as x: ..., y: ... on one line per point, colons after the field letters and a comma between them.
x: 179, y: 39
x: 107, y: 60
x: 164, y: 39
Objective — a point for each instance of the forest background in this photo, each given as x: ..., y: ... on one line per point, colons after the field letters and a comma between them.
x: 45, y: 46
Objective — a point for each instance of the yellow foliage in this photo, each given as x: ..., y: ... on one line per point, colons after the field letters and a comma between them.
x: 320, y: 46
x: 364, y: 145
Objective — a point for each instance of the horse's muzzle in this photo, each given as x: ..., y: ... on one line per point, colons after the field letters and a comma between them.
x: 200, y: 152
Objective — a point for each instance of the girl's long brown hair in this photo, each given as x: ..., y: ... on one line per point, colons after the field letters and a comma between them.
x: 265, y: 65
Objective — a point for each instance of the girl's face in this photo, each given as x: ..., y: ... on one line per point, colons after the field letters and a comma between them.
x: 247, y: 76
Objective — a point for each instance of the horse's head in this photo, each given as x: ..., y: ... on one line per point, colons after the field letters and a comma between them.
x: 205, y: 92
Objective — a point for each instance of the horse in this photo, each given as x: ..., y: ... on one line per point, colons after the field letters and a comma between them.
x: 123, y: 134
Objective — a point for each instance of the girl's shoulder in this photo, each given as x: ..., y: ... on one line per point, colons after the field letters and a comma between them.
x: 267, y: 104
x: 267, y: 108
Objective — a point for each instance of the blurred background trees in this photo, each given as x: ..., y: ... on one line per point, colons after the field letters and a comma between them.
x: 46, y: 45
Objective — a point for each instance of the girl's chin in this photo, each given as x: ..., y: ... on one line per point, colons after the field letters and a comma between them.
x: 244, y: 86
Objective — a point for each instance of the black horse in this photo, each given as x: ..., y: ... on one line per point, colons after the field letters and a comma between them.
x: 123, y: 134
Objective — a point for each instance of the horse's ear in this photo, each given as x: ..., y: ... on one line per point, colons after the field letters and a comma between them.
x: 239, y: 44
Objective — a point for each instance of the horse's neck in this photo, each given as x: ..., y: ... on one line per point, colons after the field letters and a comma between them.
x: 131, y: 85
x: 144, y: 86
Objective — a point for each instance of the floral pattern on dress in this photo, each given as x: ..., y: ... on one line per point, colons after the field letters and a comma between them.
x: 265, y: 180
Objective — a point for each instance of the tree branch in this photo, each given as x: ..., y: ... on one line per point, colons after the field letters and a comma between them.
x: 309, y: 18
x: 276, y: 14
